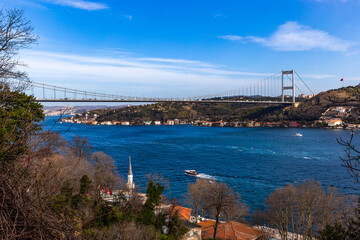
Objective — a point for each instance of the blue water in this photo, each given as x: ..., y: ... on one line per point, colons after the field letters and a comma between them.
x: 253, y: 161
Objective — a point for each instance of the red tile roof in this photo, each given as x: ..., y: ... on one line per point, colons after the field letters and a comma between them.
x: 182, y: 212
x: 206, y: 223
x: 231, y: 230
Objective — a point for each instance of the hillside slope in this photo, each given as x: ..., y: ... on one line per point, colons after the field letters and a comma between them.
x: 308, y: 110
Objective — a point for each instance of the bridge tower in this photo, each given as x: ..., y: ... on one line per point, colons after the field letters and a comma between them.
x: 283, y: 87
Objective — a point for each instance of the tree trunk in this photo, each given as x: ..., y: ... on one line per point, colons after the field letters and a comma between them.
x: 216, y: 225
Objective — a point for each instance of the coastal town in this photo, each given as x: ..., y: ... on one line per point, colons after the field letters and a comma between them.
x: 333, y: 117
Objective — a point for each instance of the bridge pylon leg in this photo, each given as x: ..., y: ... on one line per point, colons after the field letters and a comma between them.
x: 284, y: 88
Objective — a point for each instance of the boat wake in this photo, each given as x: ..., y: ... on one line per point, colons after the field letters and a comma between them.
x: 206, y: 176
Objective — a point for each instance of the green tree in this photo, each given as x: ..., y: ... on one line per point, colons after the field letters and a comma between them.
x: 85, y: 184
x: 81, y: 198
x: 153, y: 194
x: 333, y: 232
x: 19, y: 114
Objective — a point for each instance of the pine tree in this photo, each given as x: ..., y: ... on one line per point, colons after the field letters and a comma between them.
x: 333, y: 232
x: 153, y: 194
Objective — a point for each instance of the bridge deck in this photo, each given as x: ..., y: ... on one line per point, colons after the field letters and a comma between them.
x: 154, y: 101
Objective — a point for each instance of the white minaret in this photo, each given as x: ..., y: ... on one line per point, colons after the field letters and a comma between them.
x: 130, y: 183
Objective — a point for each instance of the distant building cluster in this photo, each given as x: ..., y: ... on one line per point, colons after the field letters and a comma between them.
x: 304, y: 96
x: 333, y: 117
x: 91, y: 120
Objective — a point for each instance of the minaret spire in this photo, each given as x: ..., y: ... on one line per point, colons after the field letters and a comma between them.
x: 130, y: 183
x: 130, y: 169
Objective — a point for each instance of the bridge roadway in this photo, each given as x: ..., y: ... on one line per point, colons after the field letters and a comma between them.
x: 159, y: 100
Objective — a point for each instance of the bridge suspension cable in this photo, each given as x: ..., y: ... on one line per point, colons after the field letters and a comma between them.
x: 268, y: 90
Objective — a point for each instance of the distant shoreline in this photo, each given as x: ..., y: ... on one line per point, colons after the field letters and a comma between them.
x: 194, y: 125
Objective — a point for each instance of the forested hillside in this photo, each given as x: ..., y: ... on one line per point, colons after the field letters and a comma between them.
x: 308, y: 110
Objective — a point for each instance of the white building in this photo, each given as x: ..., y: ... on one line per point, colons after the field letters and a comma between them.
x: 170, y: 122
x: 334, y: 122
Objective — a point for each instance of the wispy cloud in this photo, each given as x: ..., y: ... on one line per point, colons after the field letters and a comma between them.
x: 80, y: 4
x: 129, y: 17
x: 292, y: 36
x: 121, y: 75
x: 178, y: 61
x: 319, y: 76
x: 220, y: 15
x: 232, y: 37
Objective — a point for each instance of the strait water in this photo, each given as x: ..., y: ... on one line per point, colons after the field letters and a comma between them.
x: 253, y: 161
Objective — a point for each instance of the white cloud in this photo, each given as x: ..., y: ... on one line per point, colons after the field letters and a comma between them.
x: 232, y: 37
x: 85, y: 5
x: 292, y: 36
x: 150, y: 76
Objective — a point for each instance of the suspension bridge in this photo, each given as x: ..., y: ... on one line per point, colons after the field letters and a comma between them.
x: 280, y: 88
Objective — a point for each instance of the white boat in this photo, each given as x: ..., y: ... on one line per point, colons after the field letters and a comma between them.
x: 298, y: 134
x: 191, y: 172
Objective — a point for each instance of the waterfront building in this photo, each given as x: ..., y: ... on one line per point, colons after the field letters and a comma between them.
x: 294, y: 124
x: 130, y: 185
x: 334, y: 122
x: 257, y: 124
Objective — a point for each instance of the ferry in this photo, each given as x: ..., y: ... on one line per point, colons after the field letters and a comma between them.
x: 191, y: 172
x: 298, y: 134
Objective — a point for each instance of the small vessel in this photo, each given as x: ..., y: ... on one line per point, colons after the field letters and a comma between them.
x: 191, y: 172
x: 298, y: 134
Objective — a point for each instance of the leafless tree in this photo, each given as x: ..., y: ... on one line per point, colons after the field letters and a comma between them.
x: 235, y: 212
x: 305, y: 208
x: 219, y: 199
x: 128, y: 231
x: 16, y: 33
x: 25, y: 215
x: 195, y: 194
x: 351, y: 160
x: 80, y: 148
x: 104, y: 172
x: 26, y: 191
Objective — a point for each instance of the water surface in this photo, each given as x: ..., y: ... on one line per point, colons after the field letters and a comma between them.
x: 253, y: 161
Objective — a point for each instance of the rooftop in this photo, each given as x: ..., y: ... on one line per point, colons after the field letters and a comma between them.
x: 231, y: 230
x: 182, y: 212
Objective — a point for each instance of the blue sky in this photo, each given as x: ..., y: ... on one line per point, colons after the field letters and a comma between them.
x: 190, y: 48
